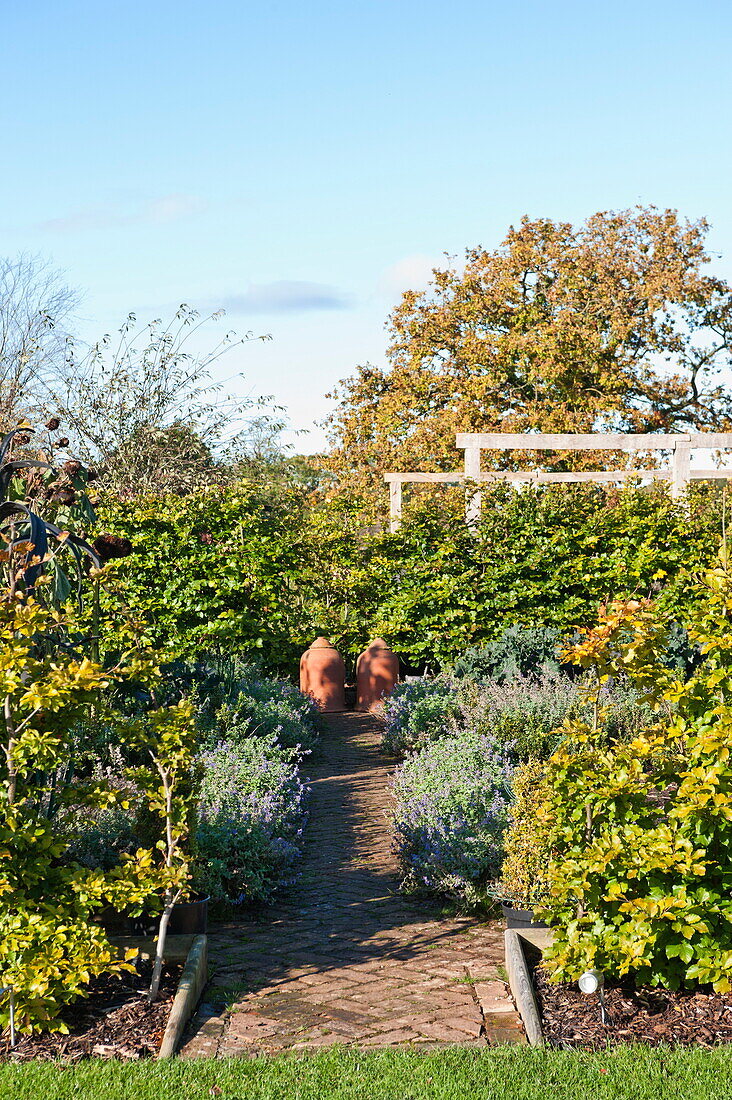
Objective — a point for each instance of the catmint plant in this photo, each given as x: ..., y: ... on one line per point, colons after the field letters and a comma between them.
x: 452, y: 809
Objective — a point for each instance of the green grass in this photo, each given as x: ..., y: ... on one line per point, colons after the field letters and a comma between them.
x: 226, y: 995
x: 505, y: 1073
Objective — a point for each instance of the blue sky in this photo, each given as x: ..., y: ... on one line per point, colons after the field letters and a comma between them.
x: 300, y: 164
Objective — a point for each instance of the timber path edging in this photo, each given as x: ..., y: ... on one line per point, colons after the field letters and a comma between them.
x: 346, y: 958
x: 190, y: 988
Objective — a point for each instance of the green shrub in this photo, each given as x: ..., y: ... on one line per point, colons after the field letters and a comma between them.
x: 97, y: 838
x: 520, y: 651
x: 641, y: 829
x: 236, y: 696
x: 523, y: 714
x: 530, y: 714
x: 418, y: 712
x: 524, y: 881
x: 262, y: 706
x: 50, y: 944
x: 526, y: 714
x: 230, y: 572
x: 626, y: 709
x: 452, y: 801
x: 252, y: 815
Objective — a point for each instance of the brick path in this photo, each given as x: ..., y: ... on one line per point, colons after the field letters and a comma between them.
x: 347, y: 959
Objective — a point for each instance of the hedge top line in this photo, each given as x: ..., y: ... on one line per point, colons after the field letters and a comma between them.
x: 473, y: 443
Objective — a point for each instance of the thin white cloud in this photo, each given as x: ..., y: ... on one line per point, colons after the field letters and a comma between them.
x: 166, y: 208
x: 409, y: 273
x: 170, y: 208
x: 286, y: 296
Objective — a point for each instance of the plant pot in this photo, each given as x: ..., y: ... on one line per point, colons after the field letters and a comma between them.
x: 520, y: 918
x: 116, y: 923
x: 113, y: 922
x: 189, y: 918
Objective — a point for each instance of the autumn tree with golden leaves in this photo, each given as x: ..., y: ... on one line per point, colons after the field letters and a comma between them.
x: 615, y: 325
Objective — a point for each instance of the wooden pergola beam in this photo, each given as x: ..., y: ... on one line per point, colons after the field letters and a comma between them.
x: 541, y: 441
x: 473, y: 443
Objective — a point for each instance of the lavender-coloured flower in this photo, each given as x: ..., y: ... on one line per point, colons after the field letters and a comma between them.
x: 252, y: 815
x: 452, y: 809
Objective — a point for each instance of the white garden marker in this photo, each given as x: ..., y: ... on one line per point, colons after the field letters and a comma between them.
x: 593, y: 981
x: 8, y: 989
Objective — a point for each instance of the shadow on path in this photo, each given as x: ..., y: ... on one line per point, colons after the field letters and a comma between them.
x: 347, y: 958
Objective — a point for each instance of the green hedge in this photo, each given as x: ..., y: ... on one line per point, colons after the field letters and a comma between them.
x: 229, y: 570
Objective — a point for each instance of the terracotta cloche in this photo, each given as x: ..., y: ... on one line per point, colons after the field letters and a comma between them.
x: 377, y: 673
x: 323, y: 675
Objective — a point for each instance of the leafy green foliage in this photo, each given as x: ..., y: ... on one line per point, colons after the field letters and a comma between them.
x: 418, y: 711
x: 232, y: 571
x: 242, y: 802
x: 252, y: 815
x: 525, y: 714
x: 97, y: 837
x: 452, y: 799
x: 524, y: 872
x: 168, y: 736
x: 641, y: 830
x: 261, y: 706
x: 50, y: 945
x: 518, y: 651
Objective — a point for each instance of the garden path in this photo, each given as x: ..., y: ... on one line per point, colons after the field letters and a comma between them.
x: 347, y: 958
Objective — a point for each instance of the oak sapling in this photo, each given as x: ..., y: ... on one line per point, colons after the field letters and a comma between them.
x: 168, y: 737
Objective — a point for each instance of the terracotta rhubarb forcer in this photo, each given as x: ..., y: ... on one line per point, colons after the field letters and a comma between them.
x: 323, y: 675
x: 377, y: 672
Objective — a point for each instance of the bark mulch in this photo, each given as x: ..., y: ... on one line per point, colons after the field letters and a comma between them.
x: 646, y: 1014
x: 114, y: 1021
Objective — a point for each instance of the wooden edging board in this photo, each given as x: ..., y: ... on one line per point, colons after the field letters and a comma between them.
x: 519, y: 977
x: 190, y: 988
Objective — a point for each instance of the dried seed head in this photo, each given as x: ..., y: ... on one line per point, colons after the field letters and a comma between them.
x: 53, y: 424
x: 63, y: 442
x: 72, y: 467
x: 112, y: 546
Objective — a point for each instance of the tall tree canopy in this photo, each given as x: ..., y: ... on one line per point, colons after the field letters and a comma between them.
x: 614, y: 325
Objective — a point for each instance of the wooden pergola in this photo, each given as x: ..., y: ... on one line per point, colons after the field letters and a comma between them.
x: 679, y: 472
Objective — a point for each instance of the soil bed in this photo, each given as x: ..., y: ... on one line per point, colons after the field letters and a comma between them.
x: 646, y: 1014
x: 114, y: 1021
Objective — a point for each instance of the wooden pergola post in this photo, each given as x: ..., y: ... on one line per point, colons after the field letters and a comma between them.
x: 473, y: 496
x: 681, y: 467
x: 395, y: 505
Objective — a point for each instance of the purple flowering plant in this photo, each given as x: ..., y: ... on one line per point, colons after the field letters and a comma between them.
x: 252, y: 814
x: 527, y: 712
x: 263, y: 705
x: 417, y: 712
x: 452, y: 808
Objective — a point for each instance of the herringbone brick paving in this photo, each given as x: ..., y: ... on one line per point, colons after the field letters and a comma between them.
x: 346, y: 958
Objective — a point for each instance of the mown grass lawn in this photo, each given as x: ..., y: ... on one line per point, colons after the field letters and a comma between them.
x: 506, y: 1073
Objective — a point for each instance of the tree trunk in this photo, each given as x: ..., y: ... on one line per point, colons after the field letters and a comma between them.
x: 170, y: 900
